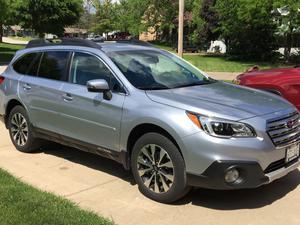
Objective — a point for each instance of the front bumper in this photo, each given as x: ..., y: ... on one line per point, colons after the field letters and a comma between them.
x: 251, y: 175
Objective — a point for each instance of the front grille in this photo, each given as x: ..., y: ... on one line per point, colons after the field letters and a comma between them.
x: 284, y: 130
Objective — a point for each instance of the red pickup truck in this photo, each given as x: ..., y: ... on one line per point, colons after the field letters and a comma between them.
x: 284, y: 82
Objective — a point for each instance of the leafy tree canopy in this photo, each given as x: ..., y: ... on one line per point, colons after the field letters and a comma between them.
x: 5, y: 15
x: 248, y: 27
x: 49, y: 16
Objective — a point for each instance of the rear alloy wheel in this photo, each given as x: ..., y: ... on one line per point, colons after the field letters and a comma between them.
x: 159, y: 168
x: 21, y: 131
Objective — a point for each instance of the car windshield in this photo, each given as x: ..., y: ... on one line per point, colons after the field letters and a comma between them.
x: 154, y: 70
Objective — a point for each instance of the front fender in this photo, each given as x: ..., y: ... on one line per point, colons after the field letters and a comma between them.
x: 171, y: 119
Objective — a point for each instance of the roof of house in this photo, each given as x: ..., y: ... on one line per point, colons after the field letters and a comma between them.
x: 74, y: 30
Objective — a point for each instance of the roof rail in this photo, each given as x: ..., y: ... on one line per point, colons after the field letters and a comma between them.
x: 132, y: 41
x: 62, y: 42
x: 135, y: 42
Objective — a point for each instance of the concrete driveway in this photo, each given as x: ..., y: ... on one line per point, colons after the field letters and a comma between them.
x: 103, y: 186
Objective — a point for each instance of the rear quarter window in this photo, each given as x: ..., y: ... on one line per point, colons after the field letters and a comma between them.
x: 27, y: 64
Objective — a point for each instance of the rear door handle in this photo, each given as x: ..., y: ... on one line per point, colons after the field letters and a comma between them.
x: 26, y: 87
x: 68, y: 97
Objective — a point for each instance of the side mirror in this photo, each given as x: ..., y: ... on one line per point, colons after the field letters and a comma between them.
x: 97, y: 86
x: 100, y: 86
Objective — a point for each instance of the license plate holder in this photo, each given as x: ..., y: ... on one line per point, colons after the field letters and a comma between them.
x: 292, y: 152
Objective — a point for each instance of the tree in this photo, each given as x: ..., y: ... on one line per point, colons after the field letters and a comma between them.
x: 130, y: 22
x: 248, y: 27
x: 49, y: 16
x: 288, y: 18
x: 4, y: 15
x: 88, y: 16
x: 104, y: 17
x: 205, y: 19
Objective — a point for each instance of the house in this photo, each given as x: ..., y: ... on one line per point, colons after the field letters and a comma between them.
x: 150, y: 35
x: 75, y: 32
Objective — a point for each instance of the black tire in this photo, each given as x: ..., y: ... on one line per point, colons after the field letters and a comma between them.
x: 178, y: 188
x: 31, y: 144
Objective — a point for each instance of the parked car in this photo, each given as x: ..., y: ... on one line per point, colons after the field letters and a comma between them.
x: 162, y: 118
x: 97, y: 38
x: 284, y: 82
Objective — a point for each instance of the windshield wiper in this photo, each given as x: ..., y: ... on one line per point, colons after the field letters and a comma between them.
x: 196, y: 83
x: 149, y: 88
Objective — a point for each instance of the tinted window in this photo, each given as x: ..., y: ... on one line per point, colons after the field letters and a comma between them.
x: 53, y: 65
x: 86, y: 67
x: 33, y: 69
x: 28, y: 64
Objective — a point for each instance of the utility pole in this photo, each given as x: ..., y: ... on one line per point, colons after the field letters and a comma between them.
x: 180, y: 28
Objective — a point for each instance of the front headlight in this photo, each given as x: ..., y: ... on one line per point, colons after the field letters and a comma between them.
x: 222, y: 128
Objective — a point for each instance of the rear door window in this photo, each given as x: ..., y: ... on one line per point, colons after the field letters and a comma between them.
x: 54, y: 65
x: 28, y: 64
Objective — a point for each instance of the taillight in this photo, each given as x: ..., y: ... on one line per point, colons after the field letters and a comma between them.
x: 1, y: 79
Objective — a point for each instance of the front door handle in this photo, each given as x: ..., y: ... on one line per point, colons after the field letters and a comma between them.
x: 68, y: 97
x: 26, y: 87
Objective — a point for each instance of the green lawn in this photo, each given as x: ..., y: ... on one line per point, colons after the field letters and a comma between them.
x: 221, y: 64
x: 7, y: 52
x: 215, y: 63
x: 22, y: 204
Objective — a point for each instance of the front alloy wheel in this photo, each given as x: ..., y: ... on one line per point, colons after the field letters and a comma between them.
x: 158, y: 168
x: 155, y: 168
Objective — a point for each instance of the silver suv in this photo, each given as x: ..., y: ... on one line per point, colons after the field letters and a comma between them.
x: 162, y: 118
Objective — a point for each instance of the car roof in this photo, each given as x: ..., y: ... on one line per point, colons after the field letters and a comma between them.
x: 114, y: 47
x: 119, y: 45
x: 84, y: 45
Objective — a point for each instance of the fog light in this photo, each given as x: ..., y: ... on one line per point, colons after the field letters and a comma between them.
x: 232, y: 176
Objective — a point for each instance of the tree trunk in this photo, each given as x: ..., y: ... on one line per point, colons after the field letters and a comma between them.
x: 1, y: 32
x: 288, y: 47
x: 289, y: 44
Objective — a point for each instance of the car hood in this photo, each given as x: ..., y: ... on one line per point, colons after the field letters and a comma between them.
x: 220, y: 99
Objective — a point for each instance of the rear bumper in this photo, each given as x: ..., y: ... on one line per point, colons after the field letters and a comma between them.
x: 251, y: 173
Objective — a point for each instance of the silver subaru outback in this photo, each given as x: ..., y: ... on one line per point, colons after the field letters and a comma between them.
x: 159, y: 116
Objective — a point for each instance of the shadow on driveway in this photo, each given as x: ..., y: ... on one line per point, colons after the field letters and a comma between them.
x: 214, y: 199
x: 89, y: 160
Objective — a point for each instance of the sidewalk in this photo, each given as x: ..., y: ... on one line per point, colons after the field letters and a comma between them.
x: 223, y: 75
x: 13, y: 41
x: 2, y: 68
x: 103, y: 186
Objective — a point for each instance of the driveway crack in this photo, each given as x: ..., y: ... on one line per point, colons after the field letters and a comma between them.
x: 90, y: 188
